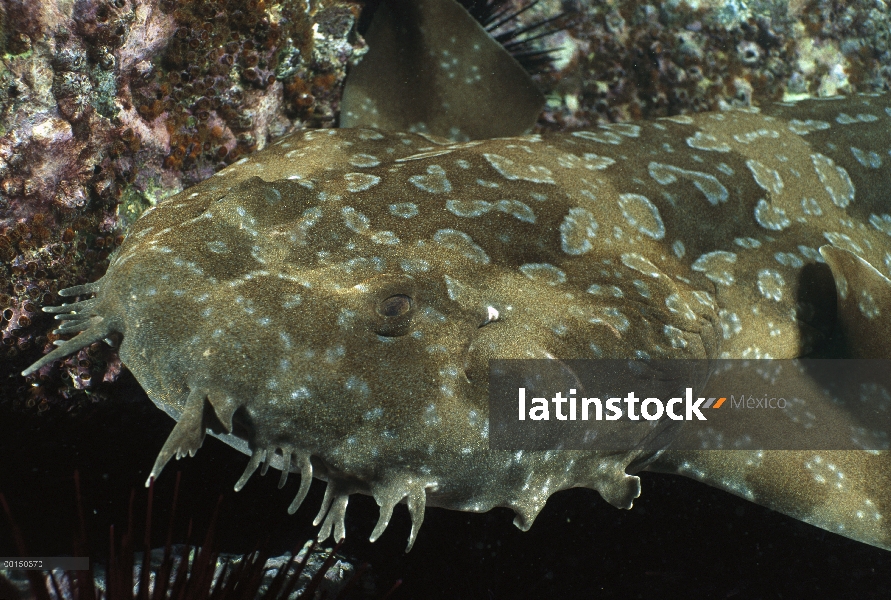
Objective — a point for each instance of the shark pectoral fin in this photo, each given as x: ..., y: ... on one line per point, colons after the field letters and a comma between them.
x: 433, y: 69
x: 864, y: 304
x: 842, y: 491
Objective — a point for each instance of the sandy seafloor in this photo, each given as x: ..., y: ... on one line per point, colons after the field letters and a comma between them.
x: 681, y: 539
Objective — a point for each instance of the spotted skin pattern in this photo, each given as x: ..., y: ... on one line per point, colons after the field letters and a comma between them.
x: 329, y: 305
x: 252, y: 303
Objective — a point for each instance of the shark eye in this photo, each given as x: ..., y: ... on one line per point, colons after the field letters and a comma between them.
x: 392, y: 301
x: 395, y: 306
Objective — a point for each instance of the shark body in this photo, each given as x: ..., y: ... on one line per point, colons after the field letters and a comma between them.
x: 329, y: 305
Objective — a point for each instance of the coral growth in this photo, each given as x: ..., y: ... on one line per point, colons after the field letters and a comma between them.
x: 624, y: 59
x: 109, y: 106
x: 38, y: 262
x: 234, y: 73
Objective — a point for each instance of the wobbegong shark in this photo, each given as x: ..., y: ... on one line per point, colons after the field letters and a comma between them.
x: 329, y: 305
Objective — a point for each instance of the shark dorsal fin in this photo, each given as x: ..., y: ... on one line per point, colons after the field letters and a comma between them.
x: 431, y: 68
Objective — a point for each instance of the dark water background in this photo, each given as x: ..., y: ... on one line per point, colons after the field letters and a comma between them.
x: 681, y: 539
